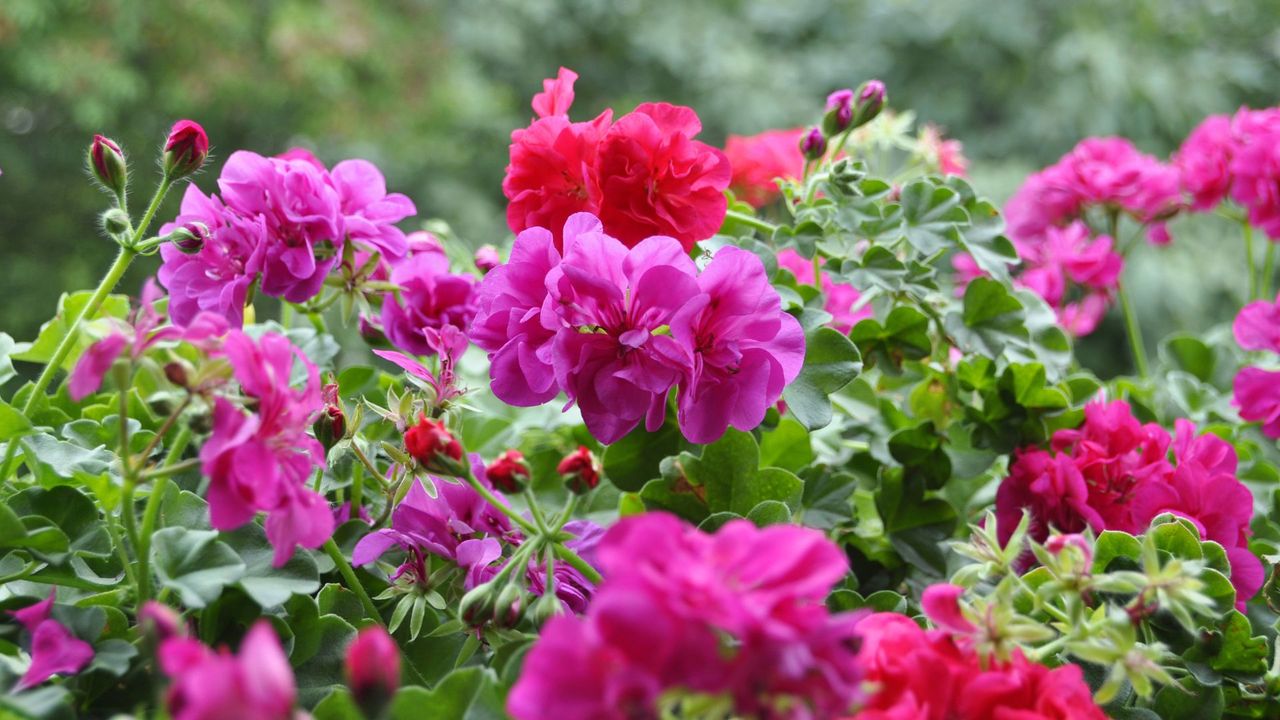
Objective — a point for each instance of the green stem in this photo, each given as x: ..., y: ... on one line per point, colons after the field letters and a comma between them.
x: 1248, y: 254
x: 578, y: 563
x: 179, y: 445
x: 1134, y: 331
x: 353, y: 583
x: 169, y: 470
x: 502, y: 507
x: 752, y: 221
x: 373, y: 469
x: 151, y: 512
x: 1268, y: 269
x: 161, y: 190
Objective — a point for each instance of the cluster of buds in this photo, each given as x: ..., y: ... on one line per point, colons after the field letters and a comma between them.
x: 500, y: 602
x: 847, y: 110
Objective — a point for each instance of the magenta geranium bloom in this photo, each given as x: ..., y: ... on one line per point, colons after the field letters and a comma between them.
x: 738, y: 613
x: 54, y: 649
x: 1257, y: 393
x: 429, y: 299
x: 255, y: 684
x: 608, y: 301
x: 741, y: 349
x: 261, y: 461
x: 1257, y: 326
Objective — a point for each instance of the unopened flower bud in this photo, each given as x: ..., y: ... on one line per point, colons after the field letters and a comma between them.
x: 160, y: 622
x: 813, y: 145
x: 432, y: 445
x: 839, y: 112
x: 190, y: 238
x: 487, y: 258
x: 870, y: 101
x: 508, y: 472
x: 544, y: 608
x: 107, y: 162
x: 373, y: 670
x: 185, y: 150
x: 509, y: 607
x: 476, y: 607
x: 580, y: 470
x: 176, y: 372
x: 331, y: 426
x: 115, y: 221
x: 370, y: 329
x: 1072, y: 552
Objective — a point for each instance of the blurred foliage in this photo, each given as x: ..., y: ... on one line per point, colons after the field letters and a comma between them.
x: 430, y: 90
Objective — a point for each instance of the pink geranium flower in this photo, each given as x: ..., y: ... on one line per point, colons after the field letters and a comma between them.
x: 1204, y: 162
x: 1255, y: 167
x: 606, y: 302
x: 1257, y: 326
x: 255, y: 684
x: 430, y: 298
x: 261, y: 461
x: 98, y: 358
x: 1257, y: 393
x: 739, y: 613
x: 740, y: 348
x: 759, y: 161
x: 840, y: 297
x: 54, y: 649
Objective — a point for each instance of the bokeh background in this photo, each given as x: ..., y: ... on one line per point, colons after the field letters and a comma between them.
x: 430, y: 90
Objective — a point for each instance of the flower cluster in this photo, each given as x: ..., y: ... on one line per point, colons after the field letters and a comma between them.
x: 430, y: 299
x: 643, y: 175
x: 206, y: 684
x: 927, y: 675
x: 282, y: 222
x: 460, y: 526
x: 262, y: 460
x: 738, y: 614
x: 841, y: 298
x: 1256, y: 391
x: 1114, y: 473
x: 616, y: 328
x: 54, y: 649
x: 1236, y: 157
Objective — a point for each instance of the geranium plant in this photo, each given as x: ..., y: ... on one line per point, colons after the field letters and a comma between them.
x: 792, y: 429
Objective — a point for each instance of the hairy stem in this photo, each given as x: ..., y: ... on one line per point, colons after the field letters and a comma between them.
x: 353, y: 583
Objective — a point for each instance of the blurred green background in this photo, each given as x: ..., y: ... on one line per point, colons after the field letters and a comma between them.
x: 431, y: 90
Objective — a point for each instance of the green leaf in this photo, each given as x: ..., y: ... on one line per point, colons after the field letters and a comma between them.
x: 194, y: 563
x: 70, y: 305
x: 932, y: 213
x: 72, y: 513
x: 1190, y: 354
x: 634, y: 459
x: 904, y: 336
x: 1191, y: 701
x: 986, y: 300
x: 1234, y: 652
x: 12, y: 423
x: 270, y: 586
x: 770, y: 512
x: 1113, y: 544
x: 826, y: 500
x: 786, y: 446
x: 830, y: 362
x: 7, y: 346
x: 338, y: 705
x: 729, y: 470
x: 321, y: 673
x: 469, y: 693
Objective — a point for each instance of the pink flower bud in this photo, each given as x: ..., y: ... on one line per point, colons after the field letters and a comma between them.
x: 191, y: 237
x: 1079, y: 552
x: 839, y: 112
x: 487, y: 258
x: 813, y: 145
x: 871, y: 100
x: 941, y: 603
x: 185, y: 150
x: 373, y: 667
x: 160, y: 621
x: 580, y: 470
x: 331, y: 426
x: 107, y: 162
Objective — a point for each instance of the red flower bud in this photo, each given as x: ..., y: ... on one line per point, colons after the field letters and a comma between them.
x: 580, y: 470
x: 107, y: 162
x: 373, y: 669
x: 185, y: 150
x: 508, y: 472
x: 191, y: 237
x: 429, y: 442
